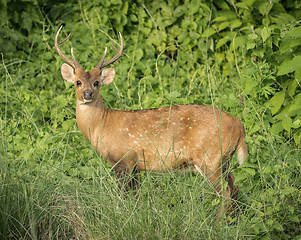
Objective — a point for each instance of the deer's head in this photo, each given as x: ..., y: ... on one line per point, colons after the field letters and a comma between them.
x: 87, y: 84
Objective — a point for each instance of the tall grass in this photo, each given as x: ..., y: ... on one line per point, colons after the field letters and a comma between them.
x: 38, y: 201
x: 54, y: 206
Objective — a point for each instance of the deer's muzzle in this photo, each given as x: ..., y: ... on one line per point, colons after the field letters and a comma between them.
x: 87, y: 95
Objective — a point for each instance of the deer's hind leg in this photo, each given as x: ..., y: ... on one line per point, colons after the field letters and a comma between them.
x: 214, y: 175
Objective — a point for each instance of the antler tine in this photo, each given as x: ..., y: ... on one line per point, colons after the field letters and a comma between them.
x: 116, y: 57
x: 99, y: 65
x: 77, y: 65
x: 64, y: 39
x: 58, y: 49
x: 73, y: 63
x: 115, y: 48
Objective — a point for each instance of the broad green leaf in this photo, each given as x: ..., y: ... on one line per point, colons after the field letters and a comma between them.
x: 235, y: 24
x: 67, y: 124
x: 139, y: 54
x: 295, y: 32
x: 295, y: 107
x: 293, y: 85
x: 278, y: 226
x: 253, y: 36
x: 265, y: 33
x: 220, y: 19
x: 287, y: 123
x: 239, y: 41
x: 249, y: 171
x: 208, y: 32
x: 179, y: 11
x: 250, y: 45
x: 249, y: 84
x: 276, y: 102
x: 223, y: 25
x: 240, y: 177
x: 294, y: 218
x: 133, y: 18
x: 125, y: 7
x: 288, y: 43
x: 289, y: 65
x: 26, y: 21
x: 219, y: 57
x: 298, y: 75
x: 264, y: 6
x: 297, y: 137
x: 222, y: 42
x: 174, y: 94
x: 243, y: 5
x: 297, y: 123
x: 269, y: 221
x: 276, y: 128
x: 288, y: 190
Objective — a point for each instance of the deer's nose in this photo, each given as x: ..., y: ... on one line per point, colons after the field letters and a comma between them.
x: 87, y: 95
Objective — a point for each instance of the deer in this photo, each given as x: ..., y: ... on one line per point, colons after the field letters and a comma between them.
x: 201, y: 138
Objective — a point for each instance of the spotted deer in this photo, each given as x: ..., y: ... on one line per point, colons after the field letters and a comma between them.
x: 199, y: 137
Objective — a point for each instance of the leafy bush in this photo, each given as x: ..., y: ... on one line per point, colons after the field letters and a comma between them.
x: 242, y: 57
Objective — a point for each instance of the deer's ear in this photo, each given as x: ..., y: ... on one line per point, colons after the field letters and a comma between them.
x: 67, y: 72
x: 107, y: 76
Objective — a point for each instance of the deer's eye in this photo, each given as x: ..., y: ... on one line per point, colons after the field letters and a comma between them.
x: 96, y: 84
x: 78, y: 83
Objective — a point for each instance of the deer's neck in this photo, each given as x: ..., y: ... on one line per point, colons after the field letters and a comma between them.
x: 91, y: 118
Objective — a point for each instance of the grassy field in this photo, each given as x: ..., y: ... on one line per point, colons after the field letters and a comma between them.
x: 41, y: 198
x: 53, y: 185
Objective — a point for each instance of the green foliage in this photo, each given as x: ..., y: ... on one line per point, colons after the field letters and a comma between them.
x: 240, y: 56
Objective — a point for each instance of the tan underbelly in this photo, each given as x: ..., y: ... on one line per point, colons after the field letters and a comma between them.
x: 158, y: 161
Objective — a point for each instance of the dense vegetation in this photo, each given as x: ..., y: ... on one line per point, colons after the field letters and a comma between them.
x: 240, y: 56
